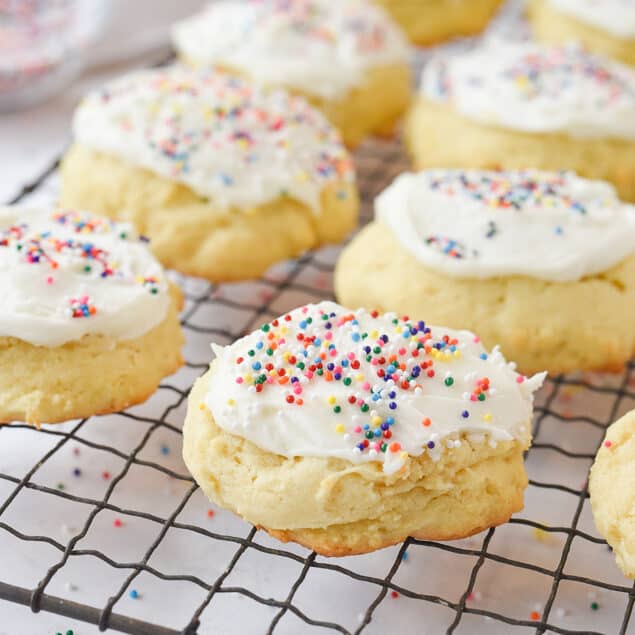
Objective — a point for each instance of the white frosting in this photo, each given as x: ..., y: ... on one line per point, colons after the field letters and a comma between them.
x: 67, y: 274
x: 615, y: 16
x: 294, y: 408
x: 322, y: 47
x: 227, y: 140
x: 479, y: 224
x: 537, y: 89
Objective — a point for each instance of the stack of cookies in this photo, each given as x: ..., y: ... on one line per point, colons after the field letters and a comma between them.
x: 347, y: 427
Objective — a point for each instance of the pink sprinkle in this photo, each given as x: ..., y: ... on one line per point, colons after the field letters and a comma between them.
x: 357, y: 429
x: 305, y: 309
x: 297, y: 389
x: 477, y: 339
x: 366, y: 386
x: 351, y: 356
x: 328, y: 336
x: 309, y: 374
x: 402, y: 351
x: 270, y: 380
x: 520, y: 379
x: 333, y: 353
x: 608, y: 444
x: 49, y: 280
x: 395, y: 377
x: 473, y: 398
x: 239, y: 380
x: 374, y: 361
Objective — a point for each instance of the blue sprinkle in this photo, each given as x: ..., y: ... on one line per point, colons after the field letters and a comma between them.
x: 465, y: 414
x: 483, y: 355
x: 392, y: 405
x: 355, y: 337
x: 256, y: 365
x: 431, y: 444
x: 390, y: 421
x: 134, y: 594
x: 404, y: 556
x: 165, y: 450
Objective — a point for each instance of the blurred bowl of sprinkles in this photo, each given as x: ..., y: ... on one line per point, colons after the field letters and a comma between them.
x: 41, y: 45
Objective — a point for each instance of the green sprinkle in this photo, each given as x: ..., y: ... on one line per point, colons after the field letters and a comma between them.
x: 481, y: 397
x: 594, y: 606
x: 337, y: 409
x: 449, y: 381
x: 265, y: 328
x: 365, y: 407
x: 347, y: 381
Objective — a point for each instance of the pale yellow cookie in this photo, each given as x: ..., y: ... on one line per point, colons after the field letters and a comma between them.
x: 524, y: 105
x: 537, y: 323
x: 553, y: 25
x: 347, y: 58
x: 94, y: 375
x: 225, y: 179
x: 431, y: 21
x: 305, y: 471
x: 90, y: 325
x: 431, y: 127
x: 612, y: 489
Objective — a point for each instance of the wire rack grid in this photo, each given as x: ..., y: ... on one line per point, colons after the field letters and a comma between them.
x: 572, y: 414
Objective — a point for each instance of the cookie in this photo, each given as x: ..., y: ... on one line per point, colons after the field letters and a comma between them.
x: 347, y: 431
x: 526, y: 105
x: 612, y: 489
x: 435, y: 21
x: 89, y: 323
x: 606, y: 27
x: 512, y: 256
x: 226, y: 179
x: 347, y: 57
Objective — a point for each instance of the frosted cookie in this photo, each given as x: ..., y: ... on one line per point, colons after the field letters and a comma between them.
x: 612, y: 489
x: 606, y: 27
x: 542, y: 264
x: 347, y: 57
x: 88, y: 325
x: 225, y: 178
x: 431, y: 21
x: 528, y: 106
x: 348, y: 431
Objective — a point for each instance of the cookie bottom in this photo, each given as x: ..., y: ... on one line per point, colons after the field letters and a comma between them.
x: 558, y: 326
x: 191, y: 234
x: 433, y: 21
x: 612, y: 489
x: 553, y: 26
x: 95, y: 375
x: 338, y: 508
x: 439, y: 137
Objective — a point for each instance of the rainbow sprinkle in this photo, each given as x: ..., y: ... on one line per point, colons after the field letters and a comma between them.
x: 378, y: 368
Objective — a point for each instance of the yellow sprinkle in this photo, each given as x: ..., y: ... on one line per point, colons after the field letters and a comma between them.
x: 286, y: 355
x: 248, y: 378
x: 376, y: 421
x: 487, y: 417
x: 540, y: 534
x: 374, y: 334
x: 332, y: 400
x: 403, y: 455
x: 359, y: 377
x: 339, y: 428
x: 457, y: 354
x: 231, y: 402
x: 202, y: 406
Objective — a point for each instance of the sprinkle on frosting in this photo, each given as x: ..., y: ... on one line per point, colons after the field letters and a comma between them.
x: 58, y: 268
x: 321, y: 47
x: 478, y: 224
x: 326, y: 381
x: 537, y: 88
x: 226, y: 139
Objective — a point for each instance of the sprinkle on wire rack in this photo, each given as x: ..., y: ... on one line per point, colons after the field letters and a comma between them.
x: 377, y: 165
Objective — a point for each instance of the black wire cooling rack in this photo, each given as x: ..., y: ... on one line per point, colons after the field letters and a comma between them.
x: 600, y: 398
